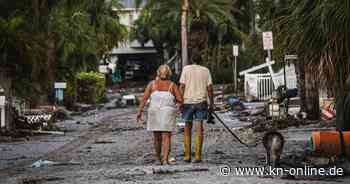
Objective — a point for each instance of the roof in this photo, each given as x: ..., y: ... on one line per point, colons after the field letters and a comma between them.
x: 134, y: 51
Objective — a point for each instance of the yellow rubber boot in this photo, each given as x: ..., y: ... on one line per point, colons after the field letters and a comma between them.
x: 198, y: 142
x: 187, y: 142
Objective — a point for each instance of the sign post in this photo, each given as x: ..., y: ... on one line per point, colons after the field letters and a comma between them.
x: 2, y: 108
x: 235, y: 55
x: 268, y: 46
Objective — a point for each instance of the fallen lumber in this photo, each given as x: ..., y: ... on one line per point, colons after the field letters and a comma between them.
x: 173, y: 169
x: 41, y: 132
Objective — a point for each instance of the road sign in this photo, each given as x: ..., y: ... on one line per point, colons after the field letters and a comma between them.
x: 268, y: 40
x: 103, y: 69
x: 235, y: 50
x: 60, y: 85
x: 290, y: 57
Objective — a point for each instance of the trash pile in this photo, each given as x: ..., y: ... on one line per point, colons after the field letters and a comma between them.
x: 261, y: 124
x: 39, y: 120
x: 327, y: 109
x: 257, y: 116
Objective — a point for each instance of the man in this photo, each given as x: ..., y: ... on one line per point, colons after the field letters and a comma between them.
x: 196, y: 86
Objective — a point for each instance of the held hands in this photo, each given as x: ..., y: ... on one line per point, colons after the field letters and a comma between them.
x: 178, y: 106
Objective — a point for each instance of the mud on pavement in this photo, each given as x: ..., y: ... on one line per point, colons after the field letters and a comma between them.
x: 115, y: 149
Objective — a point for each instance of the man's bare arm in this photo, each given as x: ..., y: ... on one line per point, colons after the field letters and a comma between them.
x: 211, y: 97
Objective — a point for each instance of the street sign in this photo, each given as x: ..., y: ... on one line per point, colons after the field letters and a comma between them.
x: 2, y: 100
x: 268, y: 40
x: 103, y: 69
x: 60, y: 85
x: 290, y: 57
x: 235, y: 50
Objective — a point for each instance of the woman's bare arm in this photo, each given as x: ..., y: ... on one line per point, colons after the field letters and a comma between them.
x: 146, y: 96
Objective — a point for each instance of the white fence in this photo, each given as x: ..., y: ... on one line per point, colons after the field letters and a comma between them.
x: 261, y: 86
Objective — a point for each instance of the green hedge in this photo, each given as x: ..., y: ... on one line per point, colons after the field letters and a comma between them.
x: 91, y: 87
x: 70, y: 96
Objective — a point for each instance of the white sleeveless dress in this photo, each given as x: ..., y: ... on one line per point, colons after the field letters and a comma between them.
x: 162, y: 111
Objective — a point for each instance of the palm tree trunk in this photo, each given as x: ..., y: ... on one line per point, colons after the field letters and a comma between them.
x: 252, y: 14
x: 184, y: 39
x: 300, y: 73
x: 343, y: 99
x: 312, y: 95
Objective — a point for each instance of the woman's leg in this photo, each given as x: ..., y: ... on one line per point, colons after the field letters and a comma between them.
x: 158, y: 144
x: 166, y: 138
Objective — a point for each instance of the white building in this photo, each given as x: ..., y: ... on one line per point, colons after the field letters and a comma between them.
x: 137, y: 60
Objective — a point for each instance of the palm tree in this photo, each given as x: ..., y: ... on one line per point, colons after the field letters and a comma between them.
x: 40, y: 37
x: 184, y: 40
x: 165, y: 15
x: 318, y: 32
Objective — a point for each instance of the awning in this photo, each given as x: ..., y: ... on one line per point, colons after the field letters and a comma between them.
x: 118, y: 51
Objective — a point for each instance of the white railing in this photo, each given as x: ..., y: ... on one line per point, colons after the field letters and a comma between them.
x: 261, y: 86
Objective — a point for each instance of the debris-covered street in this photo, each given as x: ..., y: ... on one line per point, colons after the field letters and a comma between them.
x: 174, y: 91
x: 108, y: 146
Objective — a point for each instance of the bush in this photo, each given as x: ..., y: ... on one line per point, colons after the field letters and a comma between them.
x: 91, y: 87
x: 70, y: 96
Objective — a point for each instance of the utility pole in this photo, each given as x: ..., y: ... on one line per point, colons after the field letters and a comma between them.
x: 184, y: 40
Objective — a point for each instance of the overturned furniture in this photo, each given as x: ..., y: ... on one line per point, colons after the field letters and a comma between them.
x: 262, y: 85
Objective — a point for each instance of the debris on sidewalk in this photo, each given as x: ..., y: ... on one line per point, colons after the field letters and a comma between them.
x: 104, y: 142
x: 40, y: 180
x: 42, y: 163
x: 46, y: 163
x: 166, y: 169
x: 318, y: 161
x: 129, y: 99
x: 327, y: 109
x: 40, y: 132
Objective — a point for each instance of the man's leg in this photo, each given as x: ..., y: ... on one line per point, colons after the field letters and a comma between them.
x: 198, y: 141
x: 166, y: 138
x: 158, y: 145
x: 187, y: 141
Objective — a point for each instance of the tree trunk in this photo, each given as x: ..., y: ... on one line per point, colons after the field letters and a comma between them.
x: 252, y: 14
x: 343, y: 99
x: 312, y: 95
x: 300, y: 73
x: 219, y: 56
x: 184, y: 39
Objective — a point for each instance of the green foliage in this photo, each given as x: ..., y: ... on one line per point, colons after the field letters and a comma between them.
x: 160, y: 22
x: 318, y: 32
x: 42, y: 41
x: 91, y: 87
x: 70, y: 97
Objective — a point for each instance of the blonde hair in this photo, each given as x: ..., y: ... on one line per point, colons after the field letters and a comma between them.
x: 164, y: 72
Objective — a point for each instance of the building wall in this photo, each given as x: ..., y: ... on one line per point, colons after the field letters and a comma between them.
x: 127, y: 16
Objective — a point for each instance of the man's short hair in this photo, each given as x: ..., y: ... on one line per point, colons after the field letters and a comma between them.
x: 195, y: 56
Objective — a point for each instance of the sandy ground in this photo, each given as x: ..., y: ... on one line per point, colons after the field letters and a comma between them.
x: 110, y: 147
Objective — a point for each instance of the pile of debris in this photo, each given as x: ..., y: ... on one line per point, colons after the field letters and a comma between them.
x: 40, y: 120
x: 261, y: 124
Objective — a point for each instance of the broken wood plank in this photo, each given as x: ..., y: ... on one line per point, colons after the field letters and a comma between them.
x: 172, y: 169
x: 41, y: 132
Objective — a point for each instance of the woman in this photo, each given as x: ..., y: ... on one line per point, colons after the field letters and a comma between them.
x: 164, y: 97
